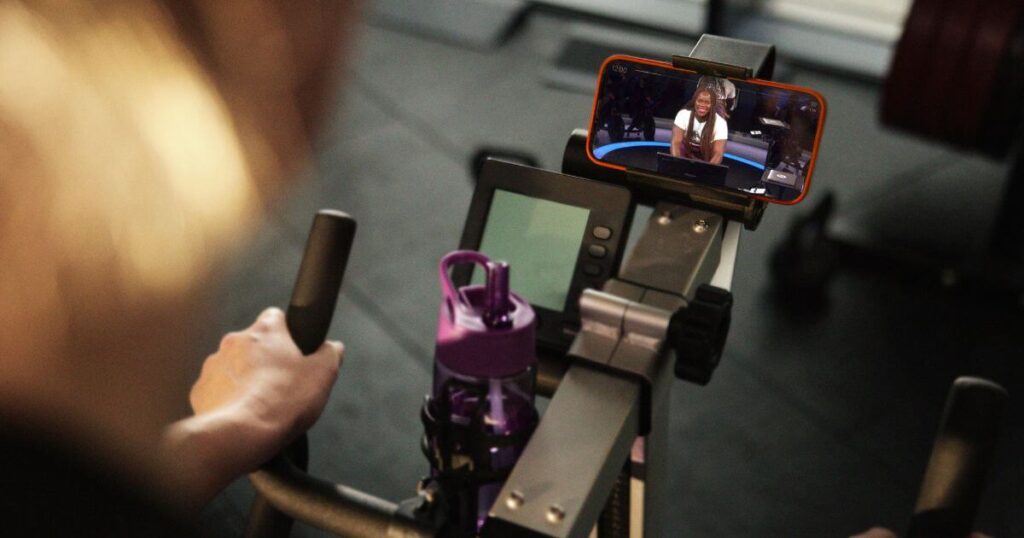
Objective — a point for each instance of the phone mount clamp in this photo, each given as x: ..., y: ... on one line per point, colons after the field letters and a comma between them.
x: 713, y: 56
x: 599, y: 454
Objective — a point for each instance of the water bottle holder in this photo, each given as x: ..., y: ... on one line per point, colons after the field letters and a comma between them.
x: 462, y: 452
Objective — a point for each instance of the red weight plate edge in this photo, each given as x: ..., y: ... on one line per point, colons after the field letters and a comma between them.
x: 988, y: 50
x: 943, y: 112
x: 907, y: 68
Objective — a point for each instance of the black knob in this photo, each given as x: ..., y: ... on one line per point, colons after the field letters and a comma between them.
x: 697, y: 333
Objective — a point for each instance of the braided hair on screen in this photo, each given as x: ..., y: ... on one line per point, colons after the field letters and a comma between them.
x: 707, y: 133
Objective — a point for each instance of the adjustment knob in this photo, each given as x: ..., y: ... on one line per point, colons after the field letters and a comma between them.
x: 697, y: 333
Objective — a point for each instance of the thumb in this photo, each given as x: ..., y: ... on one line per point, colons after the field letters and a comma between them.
x: 332, y: 352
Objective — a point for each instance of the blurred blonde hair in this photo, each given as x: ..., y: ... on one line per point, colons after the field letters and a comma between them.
x: 139, y: 139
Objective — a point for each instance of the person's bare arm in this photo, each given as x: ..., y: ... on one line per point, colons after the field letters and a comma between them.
x: 717, y: 152
x: 677, y: 141
x: 254, y: 396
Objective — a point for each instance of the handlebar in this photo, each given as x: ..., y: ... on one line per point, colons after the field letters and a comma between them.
x: 292, y: 493
x: 960, y: 460
x: 309, y: 314
x: 316, y: 287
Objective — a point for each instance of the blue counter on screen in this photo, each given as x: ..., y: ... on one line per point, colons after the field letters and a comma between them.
x: 608, y: 148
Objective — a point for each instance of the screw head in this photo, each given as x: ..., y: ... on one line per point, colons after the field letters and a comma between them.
x: 515, y: 500
x: 425, y: 491
x: 555, y: 514
x: 700, y: 226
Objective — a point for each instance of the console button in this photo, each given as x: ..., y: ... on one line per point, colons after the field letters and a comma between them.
x: 597, y: 251
x: 602, y: 232
x: 591, y: 269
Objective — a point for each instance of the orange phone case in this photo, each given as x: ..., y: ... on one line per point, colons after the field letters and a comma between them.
x: 759, y: 82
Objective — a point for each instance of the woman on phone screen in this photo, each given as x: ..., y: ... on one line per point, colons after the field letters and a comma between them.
x: 698, y: 131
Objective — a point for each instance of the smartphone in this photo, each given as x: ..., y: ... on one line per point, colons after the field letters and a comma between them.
x: 754, y: 137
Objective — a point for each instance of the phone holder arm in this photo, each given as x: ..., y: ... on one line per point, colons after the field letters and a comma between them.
x: 721, y: 56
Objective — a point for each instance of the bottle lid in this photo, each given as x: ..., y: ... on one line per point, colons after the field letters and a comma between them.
x: 484, y: 331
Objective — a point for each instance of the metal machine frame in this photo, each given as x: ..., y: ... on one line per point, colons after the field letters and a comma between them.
x: 595, y: 464
x: 599, y: 454
x: 611, y: 407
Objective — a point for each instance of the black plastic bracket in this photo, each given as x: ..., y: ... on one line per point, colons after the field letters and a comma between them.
x: 728, y: 57
x: 731, y: 205
x: 651, y: 189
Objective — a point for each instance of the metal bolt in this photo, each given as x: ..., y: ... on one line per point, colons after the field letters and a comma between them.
x: 555, y: 514
x: 426, y: 491
x: 665, y: 219
x: 700, y: 226
x: 515, y: 499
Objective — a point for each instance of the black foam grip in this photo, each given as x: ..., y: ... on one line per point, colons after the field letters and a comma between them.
x: 960, y: 460
x: 309, y: 316
x: 316, y: 286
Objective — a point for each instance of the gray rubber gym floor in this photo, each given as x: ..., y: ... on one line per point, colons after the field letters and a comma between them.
x: 812, y: 426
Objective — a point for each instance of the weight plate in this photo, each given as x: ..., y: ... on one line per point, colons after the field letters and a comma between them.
x: 909, y: 63
x: 943, y: 90
x: 949, y: 77
x: 994, y: 85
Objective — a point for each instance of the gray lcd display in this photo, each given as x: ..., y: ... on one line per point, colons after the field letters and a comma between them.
x: 540, y: 240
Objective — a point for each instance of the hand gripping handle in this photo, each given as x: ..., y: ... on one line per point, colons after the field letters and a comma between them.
x: 309, y: 316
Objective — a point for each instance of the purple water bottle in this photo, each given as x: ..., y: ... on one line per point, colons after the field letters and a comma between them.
x: 480, y: 413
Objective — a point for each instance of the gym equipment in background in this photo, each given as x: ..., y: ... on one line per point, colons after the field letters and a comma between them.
x: 957, y: 78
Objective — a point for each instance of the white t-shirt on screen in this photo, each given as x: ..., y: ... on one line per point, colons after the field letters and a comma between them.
x: 721, y: 126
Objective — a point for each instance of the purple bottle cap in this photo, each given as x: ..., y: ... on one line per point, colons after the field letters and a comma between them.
x: 484, y: 331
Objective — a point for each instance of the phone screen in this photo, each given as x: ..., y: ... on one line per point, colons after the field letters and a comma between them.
x: 754, y: 137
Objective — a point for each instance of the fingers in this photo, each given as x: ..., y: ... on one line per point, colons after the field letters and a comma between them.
x: 232, y: 339
x: 332, y: 353
x: 327, y: 360
x: 196, y: 390
x: 273, y: 320
x: 270, y: 319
